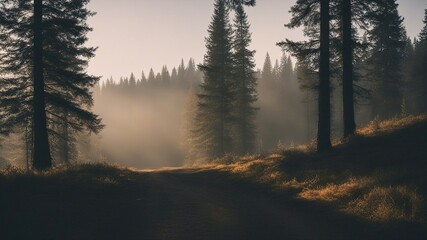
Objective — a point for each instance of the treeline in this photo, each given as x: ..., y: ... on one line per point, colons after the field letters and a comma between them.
x: 183, y: 77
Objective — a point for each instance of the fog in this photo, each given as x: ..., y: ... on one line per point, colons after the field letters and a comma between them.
x: 146, y: 120
x: 142, y: 130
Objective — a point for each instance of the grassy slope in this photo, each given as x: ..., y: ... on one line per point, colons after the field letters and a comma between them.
x: 372, y: 187
x: 378, y: 175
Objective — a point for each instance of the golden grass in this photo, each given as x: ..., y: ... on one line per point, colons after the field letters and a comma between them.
x: 389, y: 203
x: 376, y: 126
x: 373, y: 194
x: 333, y: 192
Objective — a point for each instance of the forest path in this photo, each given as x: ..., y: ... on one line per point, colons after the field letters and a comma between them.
x: 172, y: 204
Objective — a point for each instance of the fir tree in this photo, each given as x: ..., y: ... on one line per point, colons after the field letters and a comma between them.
x: 166, y: 78
x: 181, y: 72
x: 423, y: 34
x: 267, y: 70
x: 388, y: 39
x: 419, y: 71
x: 214, y: 114
x: 151, y: 77
x: 246, y: 84
x: 50, y: 53
x: 190, y: 72
x: 132, y: 81
x: 324, y: 120
x: 347, y: 63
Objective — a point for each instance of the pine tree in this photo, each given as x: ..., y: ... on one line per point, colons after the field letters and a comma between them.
x: 347, y: 63
x: 174, y: 76
x: 419, y: 71
x: 246, y: 84
x: 151, y: 77
x: 132, y: 81
x: 267, y: 70
x: 423, y: 34
x: 181, y: 72
x: 324, y: 121
x: 54, y: 61
x: 214, y: 120
x: 166, y: 78
x: 41, y: 152
x: 285, y: 69
x: 388, y: 39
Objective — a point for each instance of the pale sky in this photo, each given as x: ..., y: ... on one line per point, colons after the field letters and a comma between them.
x: 135, y: 35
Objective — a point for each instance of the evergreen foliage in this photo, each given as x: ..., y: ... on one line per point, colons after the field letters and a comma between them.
x: 217, y: 94
x: 65, y: 86
x: 246, y: 83
x: 267, y: 69
x: 388, y: 40
x: 421, y: 71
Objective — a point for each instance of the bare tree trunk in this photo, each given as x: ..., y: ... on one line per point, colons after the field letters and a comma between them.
x: 324, y: 121
x: 347, y: 51
x: 41, y: 152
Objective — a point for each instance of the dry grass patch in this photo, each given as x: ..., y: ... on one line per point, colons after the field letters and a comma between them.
x: 389, y: 203
x: 376, y: 126
x: 335, y: 192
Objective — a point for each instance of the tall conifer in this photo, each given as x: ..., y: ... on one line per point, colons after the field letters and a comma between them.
x: 214, y: 114
x: 48, y: 52
x: 388, y: 39
x: 245, y: 112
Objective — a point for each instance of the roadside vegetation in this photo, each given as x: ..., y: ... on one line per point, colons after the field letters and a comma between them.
x: 379, y: 174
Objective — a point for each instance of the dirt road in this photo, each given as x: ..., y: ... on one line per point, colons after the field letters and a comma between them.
x: 176, y: 204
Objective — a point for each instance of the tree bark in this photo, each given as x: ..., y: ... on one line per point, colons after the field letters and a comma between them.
x: 41, y: 152
x: 347, y: 51
x: 324, y: 121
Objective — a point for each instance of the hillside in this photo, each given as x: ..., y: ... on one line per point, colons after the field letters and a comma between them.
x: 371, y: 187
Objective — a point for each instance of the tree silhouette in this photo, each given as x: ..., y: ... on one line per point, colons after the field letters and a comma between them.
x: 50, y: 53
x: 41, y: 152
x: 347, y: 56
x: 246, y: 93
x: 324, y: 124
x: 214, y: 115
x: 388, y: 40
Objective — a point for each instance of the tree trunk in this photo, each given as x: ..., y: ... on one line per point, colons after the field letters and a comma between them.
x: 324, y: 121
x: 347, y: 51
x: 41, y: 152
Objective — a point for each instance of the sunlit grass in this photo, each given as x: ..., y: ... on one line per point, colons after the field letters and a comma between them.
x: 376, y: 126
x: 335, y: 191
x: 374, y: 179
x: 389, y: 203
